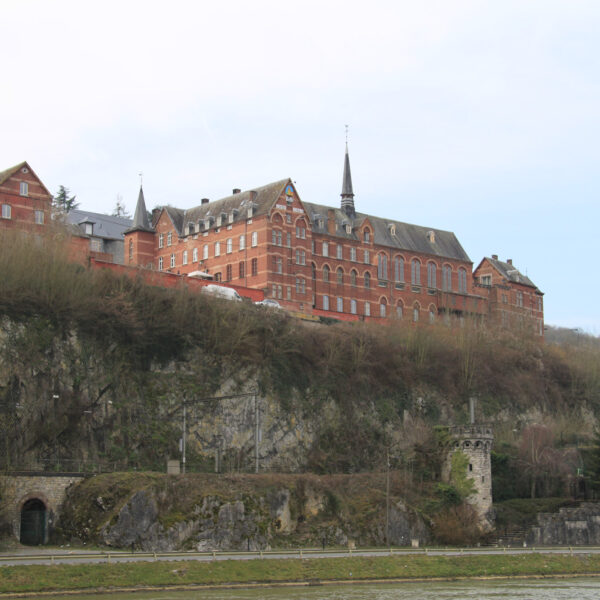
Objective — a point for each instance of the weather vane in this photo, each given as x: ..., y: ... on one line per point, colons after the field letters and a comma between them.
x: 141, y: 178
x: 346, y: 126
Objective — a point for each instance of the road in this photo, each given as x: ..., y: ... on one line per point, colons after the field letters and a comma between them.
x: 62, y: 556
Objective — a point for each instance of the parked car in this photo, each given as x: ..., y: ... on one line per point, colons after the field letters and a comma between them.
x: 221, y: 291
x: 269, y: 303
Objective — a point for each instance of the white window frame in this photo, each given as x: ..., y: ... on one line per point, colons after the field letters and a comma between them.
x: 172, y: 262
x: 6, y: 211
x: 160, y: 263
x: 339, y: 304
x: 217, y: 248
x: 205, y: 252
x: 367, y: 309
x: 339, y: 252
x: 195, y: 255
x: 38, y: 217
x: 254, y: 239
x: 229, y: 245
x: 161, y: 240
x: 24, y: 188
x: 242, y: 242
x: 169, y: 239
x: 325, y: 302
x: 184, y: 259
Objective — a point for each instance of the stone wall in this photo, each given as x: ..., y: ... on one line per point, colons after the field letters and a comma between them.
x: 577, y: 526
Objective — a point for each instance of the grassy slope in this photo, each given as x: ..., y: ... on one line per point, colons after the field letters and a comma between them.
x: 85, y: 577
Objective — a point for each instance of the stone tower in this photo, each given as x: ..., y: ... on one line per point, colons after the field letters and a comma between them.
x: 475, y: 441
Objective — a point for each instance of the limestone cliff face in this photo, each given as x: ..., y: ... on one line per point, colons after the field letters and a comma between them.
x: 204, y: 512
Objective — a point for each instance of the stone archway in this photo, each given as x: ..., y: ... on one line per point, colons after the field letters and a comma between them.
x: 34, y: 522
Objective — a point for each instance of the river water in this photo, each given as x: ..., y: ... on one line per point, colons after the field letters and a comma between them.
x: 521, y: 589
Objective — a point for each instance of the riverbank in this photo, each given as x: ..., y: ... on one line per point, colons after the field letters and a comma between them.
x: 33, y: 579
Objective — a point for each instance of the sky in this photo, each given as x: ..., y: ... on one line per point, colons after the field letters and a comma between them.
x: 481, y: 118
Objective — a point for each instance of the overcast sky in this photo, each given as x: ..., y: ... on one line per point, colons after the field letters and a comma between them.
x: 482, y: 118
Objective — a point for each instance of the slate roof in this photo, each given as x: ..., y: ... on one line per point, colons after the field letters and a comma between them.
x: 105, y: 226
x: 140, y: 218
x: 262, y: 198
x: 4, y: 175
x: 414, y: 238
x: 510, y: 272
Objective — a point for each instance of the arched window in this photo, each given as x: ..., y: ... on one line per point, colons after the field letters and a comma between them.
x: 383, y: 308
x: 382, y: 267
x: 432, y: 313
x: 326, y: 271
x: 447, y: 278
x: 367, y: 280
x: 353, y: 276
x: 340, y: 276
x: 399, y: 308
x: 399, y: 269
x: 415, y: 271
x: 462, y: 280
x: 431, y: 275
x: 416, y: 312
x: 367, y: 236
x: 353, y: 306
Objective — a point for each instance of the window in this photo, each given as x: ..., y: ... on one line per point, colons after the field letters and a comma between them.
x: 485, y: 280
x: 191, y: 228
x: 340, y: 276
x: 217, y: 276
x: 205, y: 252
x: 229, y: 245
x: 300, y: 286
x: 340, y: 304
x: 367, y: 236
x: 382, y: 308
x: 300, y: 257
x: 399, y: 269
x: 254, y: 239
x: 289, y: 292
x: 431, y: 314
x: 312, y: 246
x: 24, y: 188
x: 278, y: 264
x: 242, y: 270
x: 353, y: 277
x: 185, y: 257
x: 462, y: 281
x: 254, y: 266
x: 38, y: 216
x: 195, y: 255
x: 382, y: 267
x: 300, y: 231
x: 96, y: 245
x: 6, y: 211
x: 504, y: 299
x: 447, y: 278
x: 325, y: 249
x: 415, y: 271
x: 89, y: 228
x: 339, y: 251
x: 326, y: 273
x: 313, y: 271
x: 169, y: 239
x: 217, y: 248
x: 416, y: 313
x: 288, y: 218
x: 242, y: 242
x: 161, y: 240
x: 366, y: 258
x: 353, y: 254
x: 520, y: 299
x: 353, y: 306
x: 160, y: 263
x: 280, y: 292
x: 288, y: 239
x: 172, y: 261
x: 367, y: 309
x: 431, y: 275
x: 228, y: 273
x: 130, y: 250
x: 325, y: 302
x: 274, y: 237
x: 367, y: 280
x: 399, y: 308
x: 539, y: 303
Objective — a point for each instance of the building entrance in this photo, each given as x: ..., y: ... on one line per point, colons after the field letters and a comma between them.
x: 33, y: 522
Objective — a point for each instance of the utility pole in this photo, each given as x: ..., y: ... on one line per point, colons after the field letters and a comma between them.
x: 256, y: 433
x: 387, y: 497
x: 183, y: 429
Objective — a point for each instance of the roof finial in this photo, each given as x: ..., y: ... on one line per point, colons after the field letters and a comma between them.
x: 141, y: 178
x: 346, y: 126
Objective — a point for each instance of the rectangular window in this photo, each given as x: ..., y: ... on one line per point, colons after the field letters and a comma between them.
x: 289, y: 292
x: 325, y: 302
x: 325, y: 249
x: 228, y: 273
x: 24, y: 188
x: 366, y: 258
x: 300, y: 286
x: 96, y: 245
x: 161, y: 240
x: 353, y: 254
x: 288, y: 239
x: 242, y: 242
x: 229, y: 245
x: 367, y: 309
x: 160, y: 263
x: 339, y: 251
x: 172, y: 260
x: 217, y: 248
x: 185, y: 257
x: 254, y: 266
x: 169, y: 239
x: 6, y: 211
x: 254, y: 239
x: 242, y: 270
x: 38, y: 215
x: 195, y: 255
x: 340, y: 304
x: 353, y: 306
x: 399, y: 269
x: 300, y: 257
x: 280, y: 292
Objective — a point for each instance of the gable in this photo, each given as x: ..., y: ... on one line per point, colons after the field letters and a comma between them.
x: 11, y: 178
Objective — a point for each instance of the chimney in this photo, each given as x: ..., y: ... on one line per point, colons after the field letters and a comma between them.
x: 509, y: 261
x: 331, y: 221
x: 495, y: 256
x: 236, y: 190
x: 155, y: 213
x: 205, y: 200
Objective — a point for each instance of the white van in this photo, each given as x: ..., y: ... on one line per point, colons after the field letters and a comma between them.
x: 220, y: 291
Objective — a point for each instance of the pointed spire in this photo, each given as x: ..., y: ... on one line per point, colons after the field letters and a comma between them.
x: 347, y: 192
x: 140, y: 218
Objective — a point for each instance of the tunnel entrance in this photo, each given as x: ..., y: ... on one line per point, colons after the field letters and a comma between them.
x: 34, y: 519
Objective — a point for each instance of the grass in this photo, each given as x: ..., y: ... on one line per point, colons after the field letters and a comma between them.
x: 37, y: 578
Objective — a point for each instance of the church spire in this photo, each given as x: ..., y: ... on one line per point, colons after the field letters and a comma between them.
x: 140, y: 218
x: 347, y: 192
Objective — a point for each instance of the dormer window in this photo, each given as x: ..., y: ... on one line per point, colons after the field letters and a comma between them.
x: 349, y: 229
x: 367, y: 236
x: 191, y: 228
x: 219, y: 221
x: 231, y: 217
x: 88, y: 228
x: 250, y: 211
x: 392, y: 228
x: 431, y: 237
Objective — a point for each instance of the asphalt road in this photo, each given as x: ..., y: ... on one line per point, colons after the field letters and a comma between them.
x: 60, y: 556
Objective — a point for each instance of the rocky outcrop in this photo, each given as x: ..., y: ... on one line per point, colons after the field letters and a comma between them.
x: 578, y: 526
